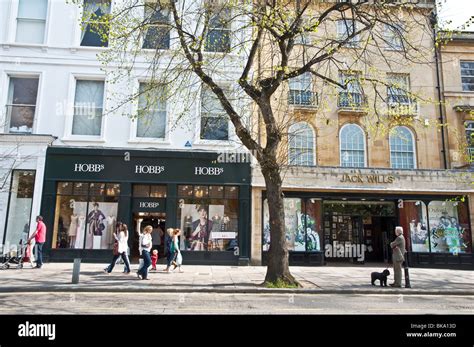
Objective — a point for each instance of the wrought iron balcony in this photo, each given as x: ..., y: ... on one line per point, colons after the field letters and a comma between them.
x: 351, y: 103
x: 302, y: 98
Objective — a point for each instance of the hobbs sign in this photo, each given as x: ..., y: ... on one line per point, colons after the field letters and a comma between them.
x: 149, y: 204
x: 149, y: 169
x: 81, y: 167
x: 208, y: 171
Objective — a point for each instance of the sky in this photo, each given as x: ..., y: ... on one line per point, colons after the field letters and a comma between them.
x: 457, y: 11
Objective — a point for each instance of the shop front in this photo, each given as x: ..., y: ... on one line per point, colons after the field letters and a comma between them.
x: 88, y: 192
x: 353, y: 221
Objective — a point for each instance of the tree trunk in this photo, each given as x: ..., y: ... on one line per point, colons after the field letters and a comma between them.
x: 278, y: 265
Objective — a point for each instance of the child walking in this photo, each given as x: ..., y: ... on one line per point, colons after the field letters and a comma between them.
x: 154, y: 259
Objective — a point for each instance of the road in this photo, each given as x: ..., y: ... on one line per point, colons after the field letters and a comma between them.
x: 220, y: 303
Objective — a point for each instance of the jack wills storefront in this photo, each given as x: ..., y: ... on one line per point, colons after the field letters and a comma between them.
x: 349, y: 215
x: 88, y: 191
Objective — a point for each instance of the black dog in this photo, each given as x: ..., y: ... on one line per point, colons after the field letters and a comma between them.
x: 381, y: 276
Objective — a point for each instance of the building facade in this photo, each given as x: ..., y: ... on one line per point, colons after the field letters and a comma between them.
x: 347, y: 186
x: 59, y: 103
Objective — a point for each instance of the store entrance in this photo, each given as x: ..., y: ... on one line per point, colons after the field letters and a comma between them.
x: 140, y: 220
x: 378, y: 235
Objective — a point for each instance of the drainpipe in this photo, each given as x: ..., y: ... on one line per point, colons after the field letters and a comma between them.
x: 442, y: 117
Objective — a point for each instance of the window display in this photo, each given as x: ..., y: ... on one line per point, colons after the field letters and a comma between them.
x: 294, y: 225
x: 208, y: 224
x: 19, y: 211
x: 449, y: 227
x: 413, y: 217
x: 86, y: 215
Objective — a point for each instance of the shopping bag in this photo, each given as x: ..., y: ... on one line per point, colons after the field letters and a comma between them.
x: 179, y: 259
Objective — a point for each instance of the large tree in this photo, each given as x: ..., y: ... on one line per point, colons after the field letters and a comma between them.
x: 246, y: 52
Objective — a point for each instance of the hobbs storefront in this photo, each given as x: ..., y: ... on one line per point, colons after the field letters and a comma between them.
x: 88, y: 191
x: 348, y: 215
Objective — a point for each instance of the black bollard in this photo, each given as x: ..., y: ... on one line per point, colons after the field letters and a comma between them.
x: 76, y: 270
x: 407, y: 276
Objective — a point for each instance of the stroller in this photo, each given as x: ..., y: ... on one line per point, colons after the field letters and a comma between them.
x: 14, y: 258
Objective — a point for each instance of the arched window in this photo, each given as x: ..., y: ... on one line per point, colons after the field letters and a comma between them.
x: 352, y: 145
x: 402, y: 148
x: 300, y: 145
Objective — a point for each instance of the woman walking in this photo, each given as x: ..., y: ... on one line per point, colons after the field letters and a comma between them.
x: 120, y: 249
x: 145, y: 243
x: 168, y: 246
x: 177, y: 257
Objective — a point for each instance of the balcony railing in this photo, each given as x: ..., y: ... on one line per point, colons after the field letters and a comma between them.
x: 401, y: 105
x: 302, y: 98
x: 20, y: 119
x: 355, y: 102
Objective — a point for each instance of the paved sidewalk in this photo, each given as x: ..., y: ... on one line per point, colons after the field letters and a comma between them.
x: 230, y: 279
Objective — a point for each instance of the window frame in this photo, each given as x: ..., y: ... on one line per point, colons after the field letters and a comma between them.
x: 390, y: 88
x: 46, y: 22
x: 134, y: 138
x: 466, y: 76
x: 80, y: 28
x: 352, y: 150
x: 154, y: 25
x: 227, y: 29
x: 343, y: 35
x: 309, y: 136
x: 413, y: 143
x: 16, y: 74
x: 230, y: 133
x: 68, y: 135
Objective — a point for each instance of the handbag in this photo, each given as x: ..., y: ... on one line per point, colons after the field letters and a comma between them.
x: 115, y: 249
x: 179, y: 259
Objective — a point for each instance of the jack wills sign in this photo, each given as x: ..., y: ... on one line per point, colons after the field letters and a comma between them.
x: 367, y: 179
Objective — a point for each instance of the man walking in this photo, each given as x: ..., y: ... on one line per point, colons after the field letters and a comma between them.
x: 40, y: 237
x: 398, y: 256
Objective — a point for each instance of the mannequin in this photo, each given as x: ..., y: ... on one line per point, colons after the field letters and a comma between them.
x: 108, y: 238
x: 72, y: 232
x: 80, y: 232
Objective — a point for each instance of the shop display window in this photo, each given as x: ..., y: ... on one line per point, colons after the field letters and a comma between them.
x: 86, y: 215
x: 208, y: 217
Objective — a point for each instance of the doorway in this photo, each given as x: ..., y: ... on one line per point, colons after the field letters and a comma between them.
x: 142, y: 219
x: 377, y: 237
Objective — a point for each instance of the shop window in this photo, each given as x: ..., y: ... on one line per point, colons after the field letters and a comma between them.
x: 402, y: 148
x: 185, y: 191
x: 449, y: 227
x: 214, y: 119
x: 313, y: 225
x: 86, y: 215
x: 301, y: 145
x: 94, y: 24
x: 19, y: 209
x: 151, y: 118
x: 88, y: 104
x: 21, y: 104
x: 294, y: 225
x: 208, y: 223
x: 31, y: 21
x: 413, y: 219
x: 352, y: 142
x: 157, y: 34
x: 149, y: 191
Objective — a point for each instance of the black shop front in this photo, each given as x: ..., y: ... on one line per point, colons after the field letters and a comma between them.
x: 87, y: 192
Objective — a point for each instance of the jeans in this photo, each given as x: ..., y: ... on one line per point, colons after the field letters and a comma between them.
x: 39, y: 253
x: 114, y: 260
x: 146, y: 263
x: 169, y: 258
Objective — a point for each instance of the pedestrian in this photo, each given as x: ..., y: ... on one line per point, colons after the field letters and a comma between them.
x: 168, y: 248
x: 40, y: 237
x: 154, y: 259
x: 144, y: 246
x: 398, y: 256
x: 177, y: 257
x: 120, y: 249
